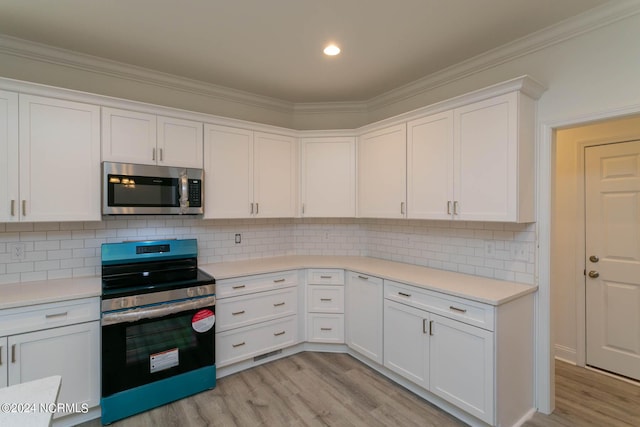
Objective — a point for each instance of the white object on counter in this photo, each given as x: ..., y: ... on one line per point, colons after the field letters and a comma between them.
x: 30, y: 404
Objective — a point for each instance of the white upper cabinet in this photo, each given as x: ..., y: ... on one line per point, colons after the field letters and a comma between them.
x: 9, y: 178
x: 382, y: 173
x: 141, y: 138
x: 430, y: 166
x: 473, y: 163
x: 59, y: 160
x: 249, y: 174
x: 328, y: 177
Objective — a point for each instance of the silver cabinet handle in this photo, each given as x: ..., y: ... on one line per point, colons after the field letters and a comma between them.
x: 594, y: 274
x: 277, y: 334
x: 51, y: 316
x: 424, y: 326
x: 278, y: 304
x: 237, y: 313
x: 238, y: 287
x: 431, y: 327
x: 24, y: 208
x: 363, y: 277
x: 326, y: 299
x: 251, y: 209
x: 13, y: 207
x: 153, y: 154
x: 449, y: 207
x: 13, y: 353
x: 279, y: 280
x: 404, y: 295
x: 402, y: 208
x: 326, y: 329
x: 459, y: 310
x: 0, y: 355
x: 257, y: 208
x: 303, y: 209
x: 455, y: 207
x: 326, y: 277
x: 161, y: 156
x: 238, y: 345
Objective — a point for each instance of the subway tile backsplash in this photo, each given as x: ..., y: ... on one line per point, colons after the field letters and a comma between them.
x: 38, y: 251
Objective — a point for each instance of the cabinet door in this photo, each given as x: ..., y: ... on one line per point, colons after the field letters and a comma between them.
x: 406, y: 342
x: 329, y: 177
x: 275, y: 175
x: 128, y: 137
x: 364, y: 315
x: 430, y: 167
x: 4, y: 362
x: 59, y: 160
x: 382, y: 173
x: 461, y: 366
x: 70, y: 351
x: 9, y: 198
x: 179, y: 143
x: 486, y: 159
x: 228, y: 172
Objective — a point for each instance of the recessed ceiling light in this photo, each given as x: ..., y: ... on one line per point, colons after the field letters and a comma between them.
x: 331, y: 50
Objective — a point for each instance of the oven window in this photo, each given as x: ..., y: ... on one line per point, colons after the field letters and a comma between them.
x: 157, y: 336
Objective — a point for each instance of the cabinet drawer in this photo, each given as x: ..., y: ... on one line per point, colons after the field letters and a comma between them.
x: 326, y: 328
x: 44, y: 316
x: 240, y: 344
x: 325, y: 299
x: 249, y: 284
x: 471, y: 312
x: 325, y: 277
x: 245, y: 310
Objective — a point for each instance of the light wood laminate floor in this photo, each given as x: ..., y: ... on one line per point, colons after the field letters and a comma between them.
x: 325, y: 389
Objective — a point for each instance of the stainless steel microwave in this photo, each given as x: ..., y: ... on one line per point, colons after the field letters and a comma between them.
x: 130, y: 189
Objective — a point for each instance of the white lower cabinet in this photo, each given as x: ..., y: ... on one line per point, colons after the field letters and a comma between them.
x: 255, y: 315
x: 325, y: 306
x: 364, y: 315
x: 54, y: 339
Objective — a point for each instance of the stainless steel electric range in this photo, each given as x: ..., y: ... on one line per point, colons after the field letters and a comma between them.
x: 158, y: 317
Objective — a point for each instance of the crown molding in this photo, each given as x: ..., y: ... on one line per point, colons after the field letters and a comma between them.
x: 80, y: 61
x: 568, y: 29
x: 563, y: 31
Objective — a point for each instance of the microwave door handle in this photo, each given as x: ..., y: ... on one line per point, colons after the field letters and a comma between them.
x: 184, y: 192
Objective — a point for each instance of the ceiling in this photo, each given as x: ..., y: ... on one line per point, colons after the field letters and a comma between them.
x: 274, y: 47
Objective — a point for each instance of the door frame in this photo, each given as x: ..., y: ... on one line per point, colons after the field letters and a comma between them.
x: 545, y: 162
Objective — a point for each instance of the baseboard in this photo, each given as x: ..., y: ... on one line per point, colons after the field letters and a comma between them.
x: 566, y: 354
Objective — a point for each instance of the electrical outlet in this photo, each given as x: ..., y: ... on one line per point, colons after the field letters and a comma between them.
x: 17, y: 251
x: 238, y: 238
x: 519, y: 251
x: 489, y: 248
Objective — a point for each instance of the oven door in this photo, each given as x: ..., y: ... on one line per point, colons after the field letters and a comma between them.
x: 144, y: 345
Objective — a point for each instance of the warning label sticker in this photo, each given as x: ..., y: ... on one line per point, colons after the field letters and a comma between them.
x: 164, y: 360
x: 203, y: 320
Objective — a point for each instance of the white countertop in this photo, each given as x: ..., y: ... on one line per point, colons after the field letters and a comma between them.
x: 45, y: 291
x: 29, y: 404
x: 481, y: 289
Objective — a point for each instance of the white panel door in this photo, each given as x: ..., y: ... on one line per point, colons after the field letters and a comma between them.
x: 228, y: 172
x: 179, y: 143
x: 4, y: 362
x: 129, y: 137
x: 406, y: 342
x: 72, y: 352
x: 9, y: 197
x: 364, y: 296
x: 430, y: 167
x: 382, y: 173
x: 486, y: 160
x: 275, y: 175
x: 612, y: 185
x: 329, y: 177
x: 462, y: 366
x: 59, y: 160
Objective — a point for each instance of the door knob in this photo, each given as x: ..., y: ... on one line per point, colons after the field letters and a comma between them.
x: 594, y: 258
x: 594, y: 274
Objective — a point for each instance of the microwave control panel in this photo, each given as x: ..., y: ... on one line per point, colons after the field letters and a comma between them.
x: 195, y: 192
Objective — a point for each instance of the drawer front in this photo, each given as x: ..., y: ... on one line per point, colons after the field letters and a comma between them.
x: 45, y: 316
x: 470, y: 312
x: 325, y: 277
x: 325, y: 299
x: 325, y: 328
x: 249, y: 284
x: 246, y: 310
x: 241, y: 344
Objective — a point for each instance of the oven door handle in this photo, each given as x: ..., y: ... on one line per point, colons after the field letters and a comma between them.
x: 155, y: 311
